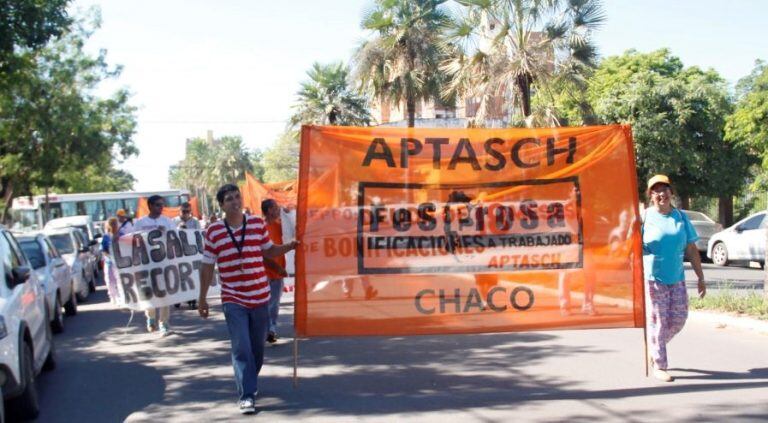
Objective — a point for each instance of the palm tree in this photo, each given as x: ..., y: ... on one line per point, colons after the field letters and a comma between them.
x: 401, y: 63
x: 326, y: 99
x: 229, y: 161
x: 511, y: 48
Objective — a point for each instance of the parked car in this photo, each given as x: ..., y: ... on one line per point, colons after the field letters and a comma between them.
x: 74, y: 249
x: 26, y: 340
x: 744, y: 241
x: 85, y: 224
x: 55, y: 275
x: 705, y: 228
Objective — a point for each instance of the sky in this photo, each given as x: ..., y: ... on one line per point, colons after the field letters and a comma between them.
x: 234, y: 66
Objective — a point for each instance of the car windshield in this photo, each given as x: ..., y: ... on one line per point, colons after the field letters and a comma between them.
x: 694, y: 215
x: 34, y: 253
x: 63, y: 243
x: 84, y: 229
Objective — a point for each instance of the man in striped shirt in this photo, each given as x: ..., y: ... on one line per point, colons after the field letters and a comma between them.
x: 238, y: 245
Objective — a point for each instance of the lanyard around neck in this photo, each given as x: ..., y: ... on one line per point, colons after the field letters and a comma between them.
x: 239, y: 246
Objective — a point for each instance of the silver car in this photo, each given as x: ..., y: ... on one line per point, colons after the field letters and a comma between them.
x: 744, y: 241
x: 705, y: 228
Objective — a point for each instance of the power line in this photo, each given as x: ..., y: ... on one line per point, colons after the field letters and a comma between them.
x: 210, y: 122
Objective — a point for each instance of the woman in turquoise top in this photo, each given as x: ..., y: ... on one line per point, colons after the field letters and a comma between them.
x: 668, y: 236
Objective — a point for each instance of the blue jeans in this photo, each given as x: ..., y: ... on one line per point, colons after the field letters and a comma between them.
x: 275, y: 292
x: 247, y: 332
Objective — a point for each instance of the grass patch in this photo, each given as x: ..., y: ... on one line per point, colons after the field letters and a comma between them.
x: 754, y: 304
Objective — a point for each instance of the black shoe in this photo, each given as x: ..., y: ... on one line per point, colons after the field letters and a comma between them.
x: 271, y: 337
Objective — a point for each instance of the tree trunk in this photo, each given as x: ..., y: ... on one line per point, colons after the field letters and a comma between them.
x: 47, y: 214
x: 410, y: 109
x: 725, y: 210
x: 685, y: 202
x: 765, y: 270
x: 7, y: 201
x: 524, y: 85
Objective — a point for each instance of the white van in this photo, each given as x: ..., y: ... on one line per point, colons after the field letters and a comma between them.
x: 85, y: 224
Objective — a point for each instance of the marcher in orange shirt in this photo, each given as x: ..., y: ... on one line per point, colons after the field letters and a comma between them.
x: 275, y: 267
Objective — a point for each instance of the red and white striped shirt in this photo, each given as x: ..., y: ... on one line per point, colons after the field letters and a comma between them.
x: 248, y: 287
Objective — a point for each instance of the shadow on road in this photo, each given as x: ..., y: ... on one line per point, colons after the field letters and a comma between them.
x: 108, y: 371
x: 89, y: 385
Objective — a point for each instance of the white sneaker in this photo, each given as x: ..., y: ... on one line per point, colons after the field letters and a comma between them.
x: 247, y: 406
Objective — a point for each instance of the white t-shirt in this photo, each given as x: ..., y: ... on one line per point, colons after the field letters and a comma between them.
x: 192, y: 223
x: 147, y: 223
x: 124, y: 228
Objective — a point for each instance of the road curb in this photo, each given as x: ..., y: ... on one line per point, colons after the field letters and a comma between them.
x: 722, y: 320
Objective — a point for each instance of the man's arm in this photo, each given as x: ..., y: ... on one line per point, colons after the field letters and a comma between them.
x: 275, y: 266
x: 206, y: 276
x: 278, y: 250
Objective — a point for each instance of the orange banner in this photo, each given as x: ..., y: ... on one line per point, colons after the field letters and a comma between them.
x: 143, y: 210
x: 426, y: 231
x: 254, y: 192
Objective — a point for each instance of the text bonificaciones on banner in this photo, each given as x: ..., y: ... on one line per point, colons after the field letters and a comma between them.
x: 425, y: 231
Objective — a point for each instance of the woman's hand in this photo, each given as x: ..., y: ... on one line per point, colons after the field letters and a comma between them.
x: 702, y: 289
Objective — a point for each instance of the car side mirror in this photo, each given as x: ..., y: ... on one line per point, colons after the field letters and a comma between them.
x: 738, y: 229
x: 20, y: 275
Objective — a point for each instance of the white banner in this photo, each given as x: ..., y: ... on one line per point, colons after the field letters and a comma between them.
x: 159, y: 268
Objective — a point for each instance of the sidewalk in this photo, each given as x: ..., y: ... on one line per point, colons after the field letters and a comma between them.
x: 723, y: 320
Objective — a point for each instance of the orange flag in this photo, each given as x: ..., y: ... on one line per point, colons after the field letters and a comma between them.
x: 254, y: 192
x: 195, y: 207
x: 142, y: 209
x: 426, y: 231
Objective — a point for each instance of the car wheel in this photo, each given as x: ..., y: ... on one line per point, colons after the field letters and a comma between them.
x: 26, y: 406
x: 50, y: 360
x: 57, y: 325
x: 70, y: 307
x: 82, y: 296
x: 720, y: 254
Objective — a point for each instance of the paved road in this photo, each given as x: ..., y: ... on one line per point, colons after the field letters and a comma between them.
x: 743, y: 276
x: 110, y: 373
x: 739, y: 279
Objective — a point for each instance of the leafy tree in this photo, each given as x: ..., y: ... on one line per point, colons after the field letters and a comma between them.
x: 513, y: 49
x: 230, y: 161
x: 326, y: 99
x: 28, y: 25
x: 748, y: 125
x: 677, y: 116
x: 281, y: 162
x: 401, y: 63
x: 53, y: 128
x: 257, y: 162
x: 95, y: 178
x: 208, y: 165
